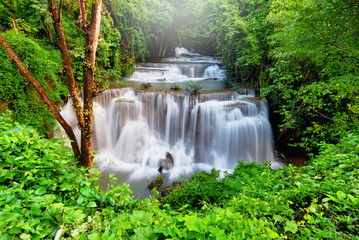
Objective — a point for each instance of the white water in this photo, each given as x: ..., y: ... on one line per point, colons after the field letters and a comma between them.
x: 186, y: 66
x: 181, y: 51
x: 134, y: 130
x: 180, y: 72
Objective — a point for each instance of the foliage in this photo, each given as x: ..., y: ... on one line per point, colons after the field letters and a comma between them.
x: 176, y: 87
x: 43, y: 193
x: 44, y: 63
x: 314, y: 82
x: 316, y: 201
x: 42, y: 189
x: 202, y: 189
x: 193, y: 87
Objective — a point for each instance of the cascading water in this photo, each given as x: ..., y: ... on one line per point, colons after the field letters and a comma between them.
x: 133, y: 131
x: 185, y: 66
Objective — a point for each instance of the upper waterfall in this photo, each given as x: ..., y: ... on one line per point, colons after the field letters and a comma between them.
x: 185, y: 66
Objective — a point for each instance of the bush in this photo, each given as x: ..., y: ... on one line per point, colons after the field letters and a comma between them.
x: 193, y: 87
x: 42, y: 189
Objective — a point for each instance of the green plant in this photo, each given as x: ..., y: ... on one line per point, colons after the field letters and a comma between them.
x: 193, y: 87
x: 176, y: 87
x: 145, y: 86
x: 237, y: 88
x: 42, y: 189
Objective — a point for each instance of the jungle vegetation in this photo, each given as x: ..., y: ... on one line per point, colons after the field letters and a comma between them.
x: 301, y: 56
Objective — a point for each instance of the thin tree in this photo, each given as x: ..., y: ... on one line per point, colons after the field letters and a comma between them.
x: 84, y: 114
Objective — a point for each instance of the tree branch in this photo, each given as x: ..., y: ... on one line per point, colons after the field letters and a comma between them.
x: 60, y: 8
x: 83, y: 14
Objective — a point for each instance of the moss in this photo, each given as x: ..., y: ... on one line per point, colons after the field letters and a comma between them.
x: 156, y: 183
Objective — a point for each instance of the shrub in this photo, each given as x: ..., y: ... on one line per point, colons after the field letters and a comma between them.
x: 193, y: 87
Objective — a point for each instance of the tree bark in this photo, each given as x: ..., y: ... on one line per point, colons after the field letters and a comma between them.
x: 15, y: 25
x: 92, y: 33
x: 43, y: 95
x: 260, y: 79
x: 47, y: 28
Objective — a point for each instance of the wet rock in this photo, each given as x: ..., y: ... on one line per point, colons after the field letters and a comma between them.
x: 169, y: 162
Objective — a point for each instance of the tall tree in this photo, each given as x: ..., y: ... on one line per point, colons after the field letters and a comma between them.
x: 313, y: 85
x: 84, y: 114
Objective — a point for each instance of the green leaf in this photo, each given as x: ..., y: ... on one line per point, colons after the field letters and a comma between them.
x: 271, y: 233
x: 141, y: 217
x: 25, y: 236
x: 353, y: 199
x: 40, y: 191
x: 142, y: 233
x: 92, y: 204
x: 65, y: 186
x: 80, y: 200
x: 341, y: 195
x: 86, y: 191
x: 193, y: 223
x: 95, y: 171
x: 94, y: 236
x: 111, y: 200
x: 277, y: 218
x: 291, y: 226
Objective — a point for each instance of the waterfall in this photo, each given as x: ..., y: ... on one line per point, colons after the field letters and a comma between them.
x: 179, y: 72
x: 134, y: 130
x: 225, y: 126
x: 181, y: 51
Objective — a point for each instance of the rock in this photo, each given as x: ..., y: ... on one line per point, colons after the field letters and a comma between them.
x: 157, y: 183
x: 169, y: 162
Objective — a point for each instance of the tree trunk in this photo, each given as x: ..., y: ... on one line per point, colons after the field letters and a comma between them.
x: 92, y: 33
x: 70, y: 78
x: 15, y: 24
x: 260, y: 79
x: 85, y: 115
x: 43, y: 95
x: 47, y: 28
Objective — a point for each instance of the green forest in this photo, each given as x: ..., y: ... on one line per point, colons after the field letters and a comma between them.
x: 301, y: 57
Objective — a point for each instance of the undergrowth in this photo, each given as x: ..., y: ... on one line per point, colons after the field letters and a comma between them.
x: 44, y: 194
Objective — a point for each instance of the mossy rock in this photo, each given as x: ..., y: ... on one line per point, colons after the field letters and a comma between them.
x: 156, y: 183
